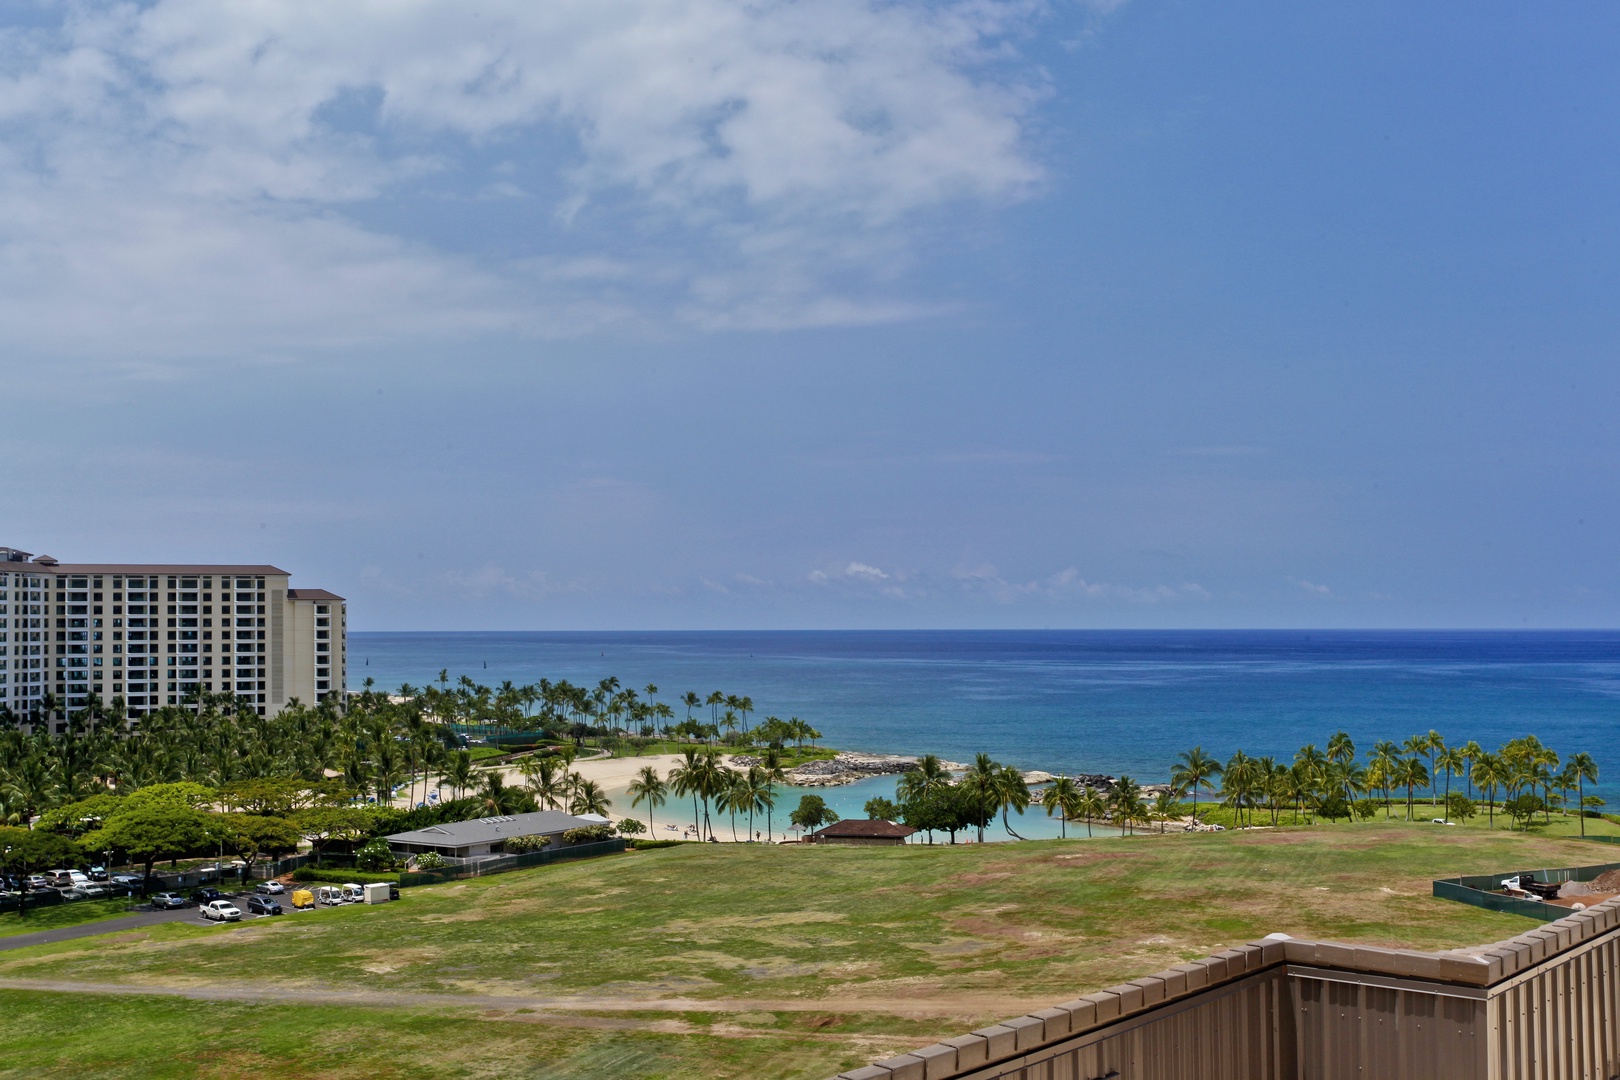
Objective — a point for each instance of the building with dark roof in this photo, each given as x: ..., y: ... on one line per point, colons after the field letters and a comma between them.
x: 152, y: 633
x: 861, y: 831
x: 487, y: 836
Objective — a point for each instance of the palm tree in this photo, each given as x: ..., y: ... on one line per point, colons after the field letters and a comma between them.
x: 981, y: 783
x: 1166, y: 807
x: 648, y: 788
x: 1491, y: 772
x: 1385, y: 759
x: 1471, y: 751
x: 1126, y: 802
x: 1090, y: 806
x: 757, y: 793
x: 927, y: 778
x: 497, y: 797
x: 1450, y: 759
x: 588, y: 798
x: 729, y: 797
x: 771, y: 762
x: 1011, y: 792
x: 458, y: 772
x: 686, y: 779
x: 1410, y: 774
x: 1064, y: 797
x: 1237, y: 782
x: 1194, y: 769
x: 1584, y: 768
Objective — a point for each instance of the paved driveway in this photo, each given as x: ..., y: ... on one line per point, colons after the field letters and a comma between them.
x: 127, y: 922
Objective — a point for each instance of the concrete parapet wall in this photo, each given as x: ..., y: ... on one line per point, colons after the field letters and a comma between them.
x: 1541, y: 1006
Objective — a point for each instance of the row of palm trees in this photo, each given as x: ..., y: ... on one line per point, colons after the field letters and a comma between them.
x: 561, y: 707
x: 702, y: 776
x: 1332, y: 778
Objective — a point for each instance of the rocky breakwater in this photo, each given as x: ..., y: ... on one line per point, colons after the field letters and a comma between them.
x: 845, y: 768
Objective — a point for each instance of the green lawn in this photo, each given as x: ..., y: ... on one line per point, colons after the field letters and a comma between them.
x: 59, y: 916
x: 723, y: 960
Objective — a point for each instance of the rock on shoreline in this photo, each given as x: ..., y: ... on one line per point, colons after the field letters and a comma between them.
x: 848, y: 767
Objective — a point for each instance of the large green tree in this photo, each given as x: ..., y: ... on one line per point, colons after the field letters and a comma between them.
x: 153, y: 830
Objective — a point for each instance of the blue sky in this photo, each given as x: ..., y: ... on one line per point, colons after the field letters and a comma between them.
x: 601, y: 314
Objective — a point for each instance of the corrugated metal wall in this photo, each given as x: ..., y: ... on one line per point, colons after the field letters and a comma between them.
x: 1559, y: 1021
x: 1350, y: 1028
x: 1542, y: 1006
x: 1236, y: 1032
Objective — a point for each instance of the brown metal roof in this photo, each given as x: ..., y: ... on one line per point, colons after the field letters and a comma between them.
x: 859, y: 828
x: 312, y: 594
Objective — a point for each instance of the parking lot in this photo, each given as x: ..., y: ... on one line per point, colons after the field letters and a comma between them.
x: 143, y: 916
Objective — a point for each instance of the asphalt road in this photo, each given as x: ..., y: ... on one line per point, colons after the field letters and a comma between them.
x: 125, y: 922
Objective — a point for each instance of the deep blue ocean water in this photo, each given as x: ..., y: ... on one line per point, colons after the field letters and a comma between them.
x: 1083, y: 701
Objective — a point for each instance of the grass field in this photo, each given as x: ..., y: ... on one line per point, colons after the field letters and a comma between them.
x: 695, y: 961
x: 60, y: 916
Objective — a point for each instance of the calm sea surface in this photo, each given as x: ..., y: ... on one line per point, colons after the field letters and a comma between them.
x: 1081, y: 701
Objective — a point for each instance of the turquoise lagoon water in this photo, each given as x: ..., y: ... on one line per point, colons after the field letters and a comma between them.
x: 1080, y: 701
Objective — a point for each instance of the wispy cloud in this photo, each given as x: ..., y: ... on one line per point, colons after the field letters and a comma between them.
x: 1310, y: 587
x: 190, y: 175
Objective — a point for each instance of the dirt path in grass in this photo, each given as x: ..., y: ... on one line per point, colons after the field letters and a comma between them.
x: 560, y: 1009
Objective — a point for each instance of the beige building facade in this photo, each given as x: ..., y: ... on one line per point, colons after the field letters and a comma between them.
x: 150, y: 634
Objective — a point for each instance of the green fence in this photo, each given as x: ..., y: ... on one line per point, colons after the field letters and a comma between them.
x: 1481, y: 890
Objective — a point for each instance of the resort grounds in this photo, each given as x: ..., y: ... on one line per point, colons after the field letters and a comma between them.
x: 725, y: 961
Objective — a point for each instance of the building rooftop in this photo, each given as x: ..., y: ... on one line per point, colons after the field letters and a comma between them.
x: 487, y: 830
x: 863, y: 829
x: 312, y: 594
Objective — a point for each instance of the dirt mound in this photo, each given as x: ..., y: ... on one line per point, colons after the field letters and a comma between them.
x: 1608, y: 881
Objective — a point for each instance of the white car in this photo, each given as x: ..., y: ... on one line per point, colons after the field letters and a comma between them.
x: 270, y: 888
x: 222, y: 910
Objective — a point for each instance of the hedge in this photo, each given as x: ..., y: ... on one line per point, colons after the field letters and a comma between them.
x: 648, y: 845
x: 342, y: 877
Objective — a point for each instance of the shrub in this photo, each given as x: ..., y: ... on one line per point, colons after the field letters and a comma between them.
x: 1334, y: 807
x: 1459, y: 808
x: 590, y: 834
x: 375, y: 855
x: 631, y: 827
x: 429, y: 860
x: 1366, y: 809
x: 341, y: 877
x: 519, y: 845
x: 649, y: 845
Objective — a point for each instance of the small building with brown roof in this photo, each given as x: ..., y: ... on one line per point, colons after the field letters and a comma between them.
x: 861, y: 831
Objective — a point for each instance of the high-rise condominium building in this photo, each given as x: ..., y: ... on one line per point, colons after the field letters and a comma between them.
x: 152, y: 633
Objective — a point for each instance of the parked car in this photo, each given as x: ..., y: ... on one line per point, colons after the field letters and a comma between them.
x: 222, y: 910
x: 262, y: 905
x: 127, y: 881
x: 65, y: 879
x: 354, y: 894
x: 330, y: 895
x: 168, y: 900
x: 95, y: 889
x: 206, y: 895
x: 98, y: 873
x: 37, y: 881
x: 270, y: 888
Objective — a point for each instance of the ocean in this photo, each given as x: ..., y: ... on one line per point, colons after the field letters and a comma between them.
x: 1118, y: 702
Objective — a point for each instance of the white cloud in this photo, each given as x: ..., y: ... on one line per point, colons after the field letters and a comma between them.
x: 184, y: 176
x: 985, y: 581
x: 1310, y: 587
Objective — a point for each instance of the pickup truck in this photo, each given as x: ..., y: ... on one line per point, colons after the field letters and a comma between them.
x: 222, y: 910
